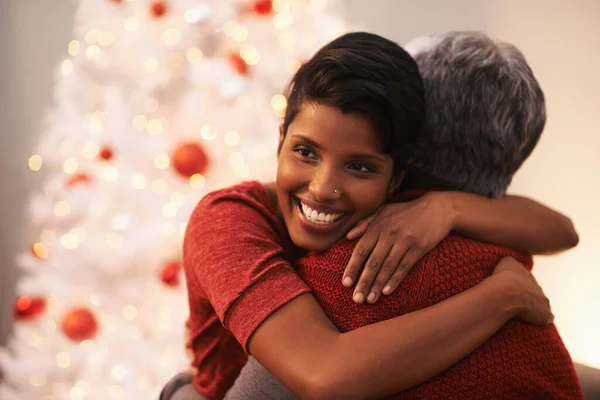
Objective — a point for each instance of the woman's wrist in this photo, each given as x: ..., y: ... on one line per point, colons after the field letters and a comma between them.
x: 449, y: 204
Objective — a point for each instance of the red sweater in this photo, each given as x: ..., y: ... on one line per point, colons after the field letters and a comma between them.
x: 520, y: 361
x: 236, y: 260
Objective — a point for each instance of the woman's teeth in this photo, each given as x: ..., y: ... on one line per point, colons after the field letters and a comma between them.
x: 318, y: 218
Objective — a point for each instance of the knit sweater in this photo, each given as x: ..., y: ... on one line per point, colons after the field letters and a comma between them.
x: 520, y: 361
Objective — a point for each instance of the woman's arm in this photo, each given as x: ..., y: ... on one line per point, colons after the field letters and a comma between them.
x: 512, y: 221
x: 303, y: 349
x: 399, y: 234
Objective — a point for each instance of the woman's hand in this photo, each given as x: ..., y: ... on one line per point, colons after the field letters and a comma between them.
x: 393, y: 240
x: 531, y: 304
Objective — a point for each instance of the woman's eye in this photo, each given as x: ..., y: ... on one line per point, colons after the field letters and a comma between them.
x: 306, y: 153
x: 360, y: 167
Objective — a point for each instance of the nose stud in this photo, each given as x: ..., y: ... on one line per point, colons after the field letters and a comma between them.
x: 336, y: 191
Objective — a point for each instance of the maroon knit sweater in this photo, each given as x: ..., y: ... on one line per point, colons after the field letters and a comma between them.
x: 520, y: 361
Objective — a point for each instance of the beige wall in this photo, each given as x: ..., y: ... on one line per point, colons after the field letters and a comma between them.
x: 560, y: 38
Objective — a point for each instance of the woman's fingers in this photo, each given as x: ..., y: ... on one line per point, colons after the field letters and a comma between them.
x: 359, y: 256
x: 388, y: 267
x: 371, y: 269
x: 404, y: 266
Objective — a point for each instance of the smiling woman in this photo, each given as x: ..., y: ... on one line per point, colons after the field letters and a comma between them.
x: 328, y: 161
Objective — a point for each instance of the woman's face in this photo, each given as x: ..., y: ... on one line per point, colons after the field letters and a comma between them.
x: 331, y: 174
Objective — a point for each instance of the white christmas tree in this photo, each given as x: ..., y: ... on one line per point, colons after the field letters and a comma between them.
x: 158, y: 103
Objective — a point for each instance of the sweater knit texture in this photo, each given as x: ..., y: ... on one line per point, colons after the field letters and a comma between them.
x: 520, y: 361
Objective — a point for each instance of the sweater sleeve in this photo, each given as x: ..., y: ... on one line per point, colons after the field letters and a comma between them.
x: 235, y: 255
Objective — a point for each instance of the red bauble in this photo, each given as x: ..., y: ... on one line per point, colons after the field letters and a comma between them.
x: 238, y: 63
x: 190, y: 159
x: 263, y: 7
x: 116, y: 1
x: 78, y: 178
x: 105, y: 154
x: 158, y: 8
x: 79, y: 324
x: 170, y: 273
x: 27, y: 308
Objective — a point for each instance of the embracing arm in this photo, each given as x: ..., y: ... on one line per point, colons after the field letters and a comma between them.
x: 512, y: 221
x: 303, y: 349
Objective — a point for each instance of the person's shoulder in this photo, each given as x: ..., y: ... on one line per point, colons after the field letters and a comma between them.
x: 244, y: 202
x: 459, y: 247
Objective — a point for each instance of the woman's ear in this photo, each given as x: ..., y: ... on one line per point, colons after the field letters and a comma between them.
x: 396, y: 182
x: 281, y: 138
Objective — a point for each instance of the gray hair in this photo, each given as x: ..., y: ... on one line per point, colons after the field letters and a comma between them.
x: 485, y: 112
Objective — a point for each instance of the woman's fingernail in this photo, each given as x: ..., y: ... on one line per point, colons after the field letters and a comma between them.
x: 387, y: 289
x: 358, y: 297
x: 371, y: 297
x: 347, y: 281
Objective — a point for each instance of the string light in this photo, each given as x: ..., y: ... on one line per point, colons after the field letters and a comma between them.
x: 231, y: 138
x: 138, y: 181
x: 140, y: 122
x: 62, y: 209
x: 63, y: 360
x: 114, y: 240
x: 110, y: 173
x: 240, y: 33
x: 69, y: 241
x: 90, y: 150
x: 169, y: 210
x: 76, y: 393
x: 106, y: 38
x: 207, y: 132
x: 130, y: 312
x: 93, y: 52
x: 73, y: 48
x: 35, y: 162
x: 249, y: 54
x: 194, y: 55
x: 171, y: 37
x: 283, y: 20
x: 279, y: 103
x: 70, y: 165
x: 154, y: 127
x: 197, y: 181
x: 67, y: 67
x: 162, y: 161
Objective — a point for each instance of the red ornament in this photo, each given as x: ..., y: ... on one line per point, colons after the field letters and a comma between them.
x: 158, y: 8
x: 170, y: 273
x: 190, y: 159
x: 263, y: 7
x: 79, y: 324
x: 78, y: 178
x: 116, y: 1
x: 238, y: 63
x: 27, y: 308
x: 105, y: 154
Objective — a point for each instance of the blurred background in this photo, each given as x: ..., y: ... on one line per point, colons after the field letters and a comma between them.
x: 560, y: 40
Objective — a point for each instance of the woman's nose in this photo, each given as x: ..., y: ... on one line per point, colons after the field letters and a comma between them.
x: 325, y: 185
